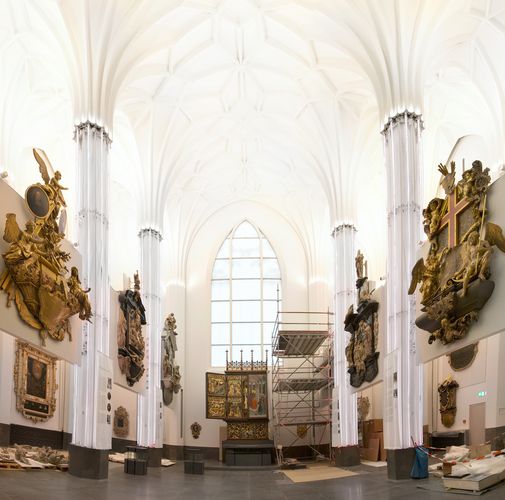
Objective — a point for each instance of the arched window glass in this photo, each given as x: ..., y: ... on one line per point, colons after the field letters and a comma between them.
x: 245, y: 280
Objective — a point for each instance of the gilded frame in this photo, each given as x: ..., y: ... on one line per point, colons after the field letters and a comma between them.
x: 34, y: 382
x: 121, y: 426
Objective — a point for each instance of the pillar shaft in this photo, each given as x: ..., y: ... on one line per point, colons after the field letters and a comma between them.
x: 150, y: 409
x: 345, y: 426
x: 403, y: 376
x: 90, y: 426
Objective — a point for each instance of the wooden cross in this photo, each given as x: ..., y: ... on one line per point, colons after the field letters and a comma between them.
x: 450, y: 219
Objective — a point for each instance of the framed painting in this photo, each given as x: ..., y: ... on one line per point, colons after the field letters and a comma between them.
x: 257, y: 396
x: 34, y: 382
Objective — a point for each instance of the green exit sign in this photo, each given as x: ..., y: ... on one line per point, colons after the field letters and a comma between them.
x: 481, y: 394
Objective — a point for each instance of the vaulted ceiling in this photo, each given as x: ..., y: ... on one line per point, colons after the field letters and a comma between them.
x: 281, y: 102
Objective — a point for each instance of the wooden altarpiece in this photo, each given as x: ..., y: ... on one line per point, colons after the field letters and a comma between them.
x: 239, y: 396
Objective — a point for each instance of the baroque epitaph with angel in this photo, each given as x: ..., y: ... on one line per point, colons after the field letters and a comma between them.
x: 36, y: 277
x: 454, y: 277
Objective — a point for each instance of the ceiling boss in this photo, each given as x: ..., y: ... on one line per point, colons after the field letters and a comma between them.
x: 455, y: 276
x: 36, y: 277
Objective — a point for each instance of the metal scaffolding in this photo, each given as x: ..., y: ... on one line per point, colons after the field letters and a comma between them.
x: 302, y: 382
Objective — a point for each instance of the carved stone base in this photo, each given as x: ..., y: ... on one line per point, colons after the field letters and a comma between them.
x: 345, y: 456
x: 88, y: 462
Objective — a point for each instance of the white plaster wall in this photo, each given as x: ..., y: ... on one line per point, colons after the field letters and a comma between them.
x: 293, y: 264
x: 471, y: 381
x: 127, y: 399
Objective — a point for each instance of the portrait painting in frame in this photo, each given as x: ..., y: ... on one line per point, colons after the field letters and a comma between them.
x: 34, y: 382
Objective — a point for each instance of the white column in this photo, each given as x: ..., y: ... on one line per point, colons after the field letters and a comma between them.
x: 403, y: 408
x: 150, y: 409
x: 345, y: 426
x: 90, y: 428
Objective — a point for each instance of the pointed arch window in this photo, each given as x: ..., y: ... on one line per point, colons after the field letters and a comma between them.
x: 245, y: 280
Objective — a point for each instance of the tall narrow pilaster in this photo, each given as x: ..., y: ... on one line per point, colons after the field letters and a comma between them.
x: 403, y: 376
x: 345, y: 425
x: 92, y: 429
x: 150, y: 408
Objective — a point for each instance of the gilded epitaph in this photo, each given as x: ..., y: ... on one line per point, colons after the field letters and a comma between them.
x: 170, y: 371
x: 130, y: 340
x: 36, y: 277
x: 455, y: 276
x: 363, y: 325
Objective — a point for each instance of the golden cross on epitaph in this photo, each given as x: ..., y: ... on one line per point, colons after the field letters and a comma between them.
x: 450, y: 219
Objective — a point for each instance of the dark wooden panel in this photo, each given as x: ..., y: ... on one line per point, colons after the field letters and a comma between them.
x: 34, y: 436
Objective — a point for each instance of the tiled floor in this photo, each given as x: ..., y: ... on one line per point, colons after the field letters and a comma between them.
x: 172, y: 484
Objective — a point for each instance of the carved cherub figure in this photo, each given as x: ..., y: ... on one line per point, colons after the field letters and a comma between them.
x: 74, y: 286
x: 25, y: 245
x: 432, y: 216
x: 427, y: 273
x: 52, y: 185
x: 475, y: 254
x: 475, y: 182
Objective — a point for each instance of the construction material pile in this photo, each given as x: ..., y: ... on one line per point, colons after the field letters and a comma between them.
x: 33, y: 457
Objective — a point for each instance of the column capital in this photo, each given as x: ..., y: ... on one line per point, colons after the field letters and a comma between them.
x: 402, y: 118
x: 150, y: 231
x: 340, y: 228
x: 79, y: 127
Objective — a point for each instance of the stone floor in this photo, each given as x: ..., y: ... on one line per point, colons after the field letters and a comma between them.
x: 172, y: 484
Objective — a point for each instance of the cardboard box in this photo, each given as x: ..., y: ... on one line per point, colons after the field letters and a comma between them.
x: 380, y: 437
x: 373, y: 451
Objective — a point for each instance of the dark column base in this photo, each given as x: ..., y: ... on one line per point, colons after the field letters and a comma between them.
x: 497, y: 437
x: 173, y: 452
x: 5, y: 434
x: 400, y: 463
x: 88, y: 462
x: 154, y: 457
x: 346, y: 456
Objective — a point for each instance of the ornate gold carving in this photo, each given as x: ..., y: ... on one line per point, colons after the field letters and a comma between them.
x: 454, y: 278
x: 247, y: 430
x: 131, y: 345
x: 34, y: 382
x: 170, y: 372
x: 121, y: 425
x: 447, y: 392
x: 363, y: 408
x: 216, y: 407
x: 196, y: 428
x: 216, y: 395
x: 35, y: 274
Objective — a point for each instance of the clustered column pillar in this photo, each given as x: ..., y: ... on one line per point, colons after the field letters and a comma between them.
x: 403, y: 376
x: 92, y: 427
x: 345, y: 421
x: 150, y: 406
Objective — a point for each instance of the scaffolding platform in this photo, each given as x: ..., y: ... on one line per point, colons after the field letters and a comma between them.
x: 301, y: 384
x: 298, y: 343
